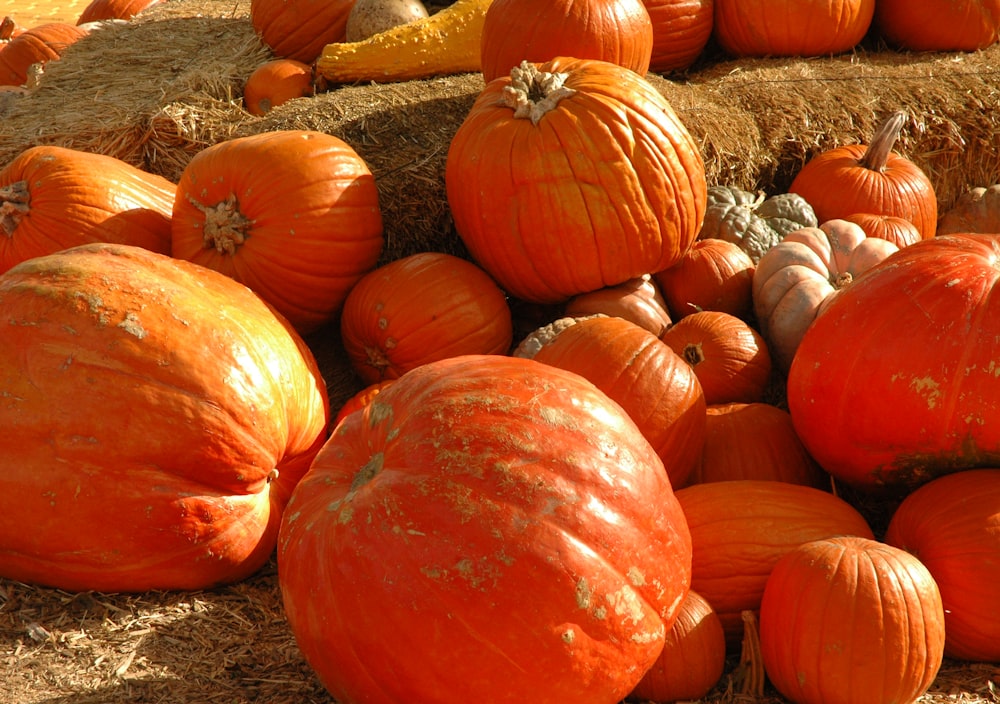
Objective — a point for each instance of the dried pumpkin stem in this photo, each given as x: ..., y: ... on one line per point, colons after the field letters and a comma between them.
x: 877, y: 153
x: 693, y: 354
x: 751, y: 667
x: 226, y: 228
x: 14, y: 205
x: 532, y: 93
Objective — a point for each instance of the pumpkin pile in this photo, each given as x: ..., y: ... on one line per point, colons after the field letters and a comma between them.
x: 630, y: 436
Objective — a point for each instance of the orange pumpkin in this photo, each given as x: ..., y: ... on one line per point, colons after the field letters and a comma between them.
x: 299, y: 29
x: 791, y: 27
x: 740, y: 529
x: 527, y: 30
x: 681, y: 31
x: 854, y: 178
x: 714, y: 274
x: 37, y: 45
x: 419, y: 309
x: 975, y: 210
x: 360, y: 399
x: 157, y: 416
x: 53, y: 197
x: 900, y: 231
x: 729, y: 357
x: 755, y: 441
x: 573, y: 175
x: 275, y: 82
x: 938, y: 25
x: 638, y: 300
x: 851, y: 619
x: 293, y: 214
x: 98, y: 10
x: 693, y: 657
x: 632, y: 366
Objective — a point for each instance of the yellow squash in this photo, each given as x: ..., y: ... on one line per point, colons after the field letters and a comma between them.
x: 445, y: 43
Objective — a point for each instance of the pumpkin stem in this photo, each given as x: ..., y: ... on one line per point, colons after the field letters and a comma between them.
x: 751, y: 667
x: 226, y: 228
x: 877, y: 153
x: 532, y: 93
x: 7, y: 27
x: 842, y: 280
x: 14, y: 201
x: 693, y: 354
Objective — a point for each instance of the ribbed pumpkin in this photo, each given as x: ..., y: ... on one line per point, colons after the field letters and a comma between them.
x: 638, y: 300
x: 791, y: 27
x: 975, y: 210
x: 54, y: 197
x: 798, y: 278
x: 299, y: 29
x: 156, y: 417
x: 729, y: 357
x: 693, y: 657
x: 432, y: 513
x: 755, y: 441
x: 900, y: 231
x: 895, y: 382
x: 419, y: 309
x: 850, y: 619
x: 938, y: 25
x: 274, y: 83
x: 681, y: 31
x: 293, y: 214
x: 617, y: 31
x: 713, y: 274
x: 952, y: 525
x: 37, y: 45
x: 854, y: 178
x: 741, y: 528
x: 97, y: 10
x: 658, y: 390
x: 571, y: 176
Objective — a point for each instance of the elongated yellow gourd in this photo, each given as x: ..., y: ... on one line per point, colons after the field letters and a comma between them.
x: 447, y: 42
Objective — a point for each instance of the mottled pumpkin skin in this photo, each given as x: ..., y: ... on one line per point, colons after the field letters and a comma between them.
x: 156, y: 417
x: 895, y: 383
x: 608, y: 185
x: 504, y: 522
x: 806, y: 27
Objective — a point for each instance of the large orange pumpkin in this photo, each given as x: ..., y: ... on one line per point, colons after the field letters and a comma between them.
x: 895, y: 383
x: 571, y: 176
x: 938, y: 25
x: 741, y: 528
x: 293, y: 214
x: 617, y: 31
x: 657, y: 388
x: 791, y: 27
x: 156, y: 417
x: 952, y: 525
x: 419, y: 309
x: 37, y: 45
x: 432, y: 514
x: 54, y: 197
x: 850, y: 619
x: 299, y: 29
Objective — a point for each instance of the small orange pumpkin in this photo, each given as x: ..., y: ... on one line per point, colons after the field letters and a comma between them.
x: 681, y: 31
x: 900, y: 231
x: 275, y: 82
x: 714, y: 274
x: 638, y: 300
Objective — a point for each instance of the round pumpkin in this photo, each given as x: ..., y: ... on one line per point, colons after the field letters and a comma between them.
x: 433, y: 512
x: 638, y: 300
x: 571, y: 176
x: 900, y: 231
x: 714, y: 274
x: 952, y: 525
x: 854, y: 178
x: 97, y: 10
x: 274, y: 83
x: 729, y: 357
x: 755, y: 441
x: 693, y: 657
x: 975, y: 210
x: 895, y: 382
x: 681, y: 31
x: 619, y: 32
x: 52, y: 198
x: 938, y: 25
x: 658, y: 390
x: 798, y: 277
x: 850, y: 619
x: 293, y: 214
x: 419, y: 309
x: 745, y: 28
x: 299, y: 29
x: 36, y: 45
x: 741, y: 528
x: 157, y: 416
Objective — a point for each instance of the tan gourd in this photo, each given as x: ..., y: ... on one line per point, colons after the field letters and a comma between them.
x: 447, y: 42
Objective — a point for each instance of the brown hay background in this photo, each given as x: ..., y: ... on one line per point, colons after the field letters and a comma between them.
x: 156, y: 91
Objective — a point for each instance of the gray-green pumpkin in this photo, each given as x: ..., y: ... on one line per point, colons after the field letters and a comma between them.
x: 754, y: 221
